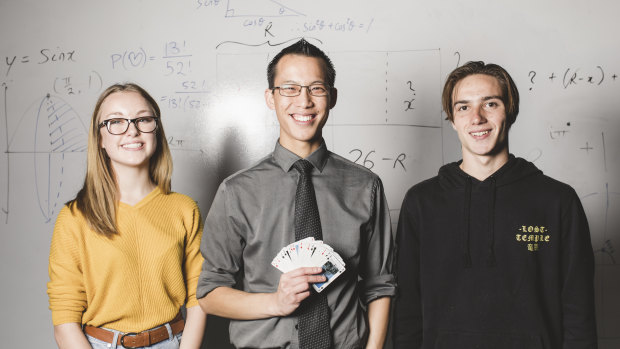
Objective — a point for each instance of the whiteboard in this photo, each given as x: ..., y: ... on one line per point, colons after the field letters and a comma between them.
x: 205, y: 63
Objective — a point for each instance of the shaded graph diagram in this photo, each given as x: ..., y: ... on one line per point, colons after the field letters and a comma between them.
x: 261, y: 8
x: 47, y: 131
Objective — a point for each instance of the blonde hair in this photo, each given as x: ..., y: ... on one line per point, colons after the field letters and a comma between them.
x: 98, y: 198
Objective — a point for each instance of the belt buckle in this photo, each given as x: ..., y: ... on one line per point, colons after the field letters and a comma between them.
x: 123, y: 339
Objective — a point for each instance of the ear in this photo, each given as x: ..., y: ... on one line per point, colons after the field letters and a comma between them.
x: 269, y: 99
x: 333, y: 97
x: 452, y: 123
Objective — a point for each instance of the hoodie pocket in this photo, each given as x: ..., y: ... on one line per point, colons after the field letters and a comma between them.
x: 459, y: 340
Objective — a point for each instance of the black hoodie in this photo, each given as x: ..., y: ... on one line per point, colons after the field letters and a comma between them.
x: 505, y: 263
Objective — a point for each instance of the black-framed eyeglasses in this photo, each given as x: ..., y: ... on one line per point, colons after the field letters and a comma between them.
x: 294, y: 90
x: 118, y: 126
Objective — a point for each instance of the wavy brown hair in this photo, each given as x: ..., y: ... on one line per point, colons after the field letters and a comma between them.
x: 510, y: 94
x: 98, y: 198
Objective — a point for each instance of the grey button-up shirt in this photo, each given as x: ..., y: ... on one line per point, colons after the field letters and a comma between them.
x: 252, y: 218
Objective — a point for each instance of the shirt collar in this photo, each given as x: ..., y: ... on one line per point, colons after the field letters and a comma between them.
x: 285, y: 158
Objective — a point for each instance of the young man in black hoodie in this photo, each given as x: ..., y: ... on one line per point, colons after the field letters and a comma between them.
x: 491, y: 252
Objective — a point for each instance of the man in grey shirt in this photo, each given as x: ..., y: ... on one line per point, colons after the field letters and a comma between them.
x: 252, y: 218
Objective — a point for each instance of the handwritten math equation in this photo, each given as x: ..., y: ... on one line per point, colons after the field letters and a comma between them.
x: 66, y: 85
x: 187, y: 96
x: 409, y: 102
x: 174, y: 60
x: 44, y: 56
x: 572, y: 77
x: 347, y: 25
x: 181, y: 101
x: 207, y: 3
x: 343, y: 25
x: 369, y: 159
x: 268, y: 14
x: 69, y: 85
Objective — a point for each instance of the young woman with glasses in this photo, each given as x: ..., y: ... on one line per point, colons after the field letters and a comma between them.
x: 125, y: 253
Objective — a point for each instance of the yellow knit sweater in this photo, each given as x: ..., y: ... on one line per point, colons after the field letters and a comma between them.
x: 138, y: 279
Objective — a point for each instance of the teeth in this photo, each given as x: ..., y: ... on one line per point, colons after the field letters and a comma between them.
x: 478, y: 134
x: 132, y: 145
x: 301, y: 117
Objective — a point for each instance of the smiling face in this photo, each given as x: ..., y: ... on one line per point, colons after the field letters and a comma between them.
x: 132, y: 148
x: 302, y: 117
x: 480, y: 118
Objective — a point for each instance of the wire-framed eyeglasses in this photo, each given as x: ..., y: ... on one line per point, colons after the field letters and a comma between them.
x: 294, y: 90
x: 118, y: 126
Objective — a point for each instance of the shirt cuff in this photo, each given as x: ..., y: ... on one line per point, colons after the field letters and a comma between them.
x: 210, y: 282
x: 377, y: 287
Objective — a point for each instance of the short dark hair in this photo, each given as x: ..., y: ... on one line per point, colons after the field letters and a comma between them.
x: 510, y: 94
x: 303, y: 48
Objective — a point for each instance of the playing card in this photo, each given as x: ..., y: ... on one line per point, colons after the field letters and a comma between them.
x: 283, y: 260
x: 331, y: 271
x: 309, y: 252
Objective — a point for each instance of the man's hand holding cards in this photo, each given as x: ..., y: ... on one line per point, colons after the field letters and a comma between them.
x: 310, y: 253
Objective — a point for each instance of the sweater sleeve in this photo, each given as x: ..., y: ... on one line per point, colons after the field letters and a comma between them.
x: 193, y: 259
x: 579, y: 323
x: 66, y: 291
x: 408, y: 310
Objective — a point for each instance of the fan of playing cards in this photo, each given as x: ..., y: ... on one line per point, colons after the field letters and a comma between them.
x: 310, y: 253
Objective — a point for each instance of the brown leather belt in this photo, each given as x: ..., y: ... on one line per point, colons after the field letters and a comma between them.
x: 137, y: 340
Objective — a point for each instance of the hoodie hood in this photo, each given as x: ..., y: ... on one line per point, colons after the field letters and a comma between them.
x: 514, y: 169
x: 453, y: 178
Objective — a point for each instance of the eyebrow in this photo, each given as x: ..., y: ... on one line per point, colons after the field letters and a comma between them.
x: 484, y: 99
x: 492, y: 97
x: 118, y: 113
x: 289, y: 82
